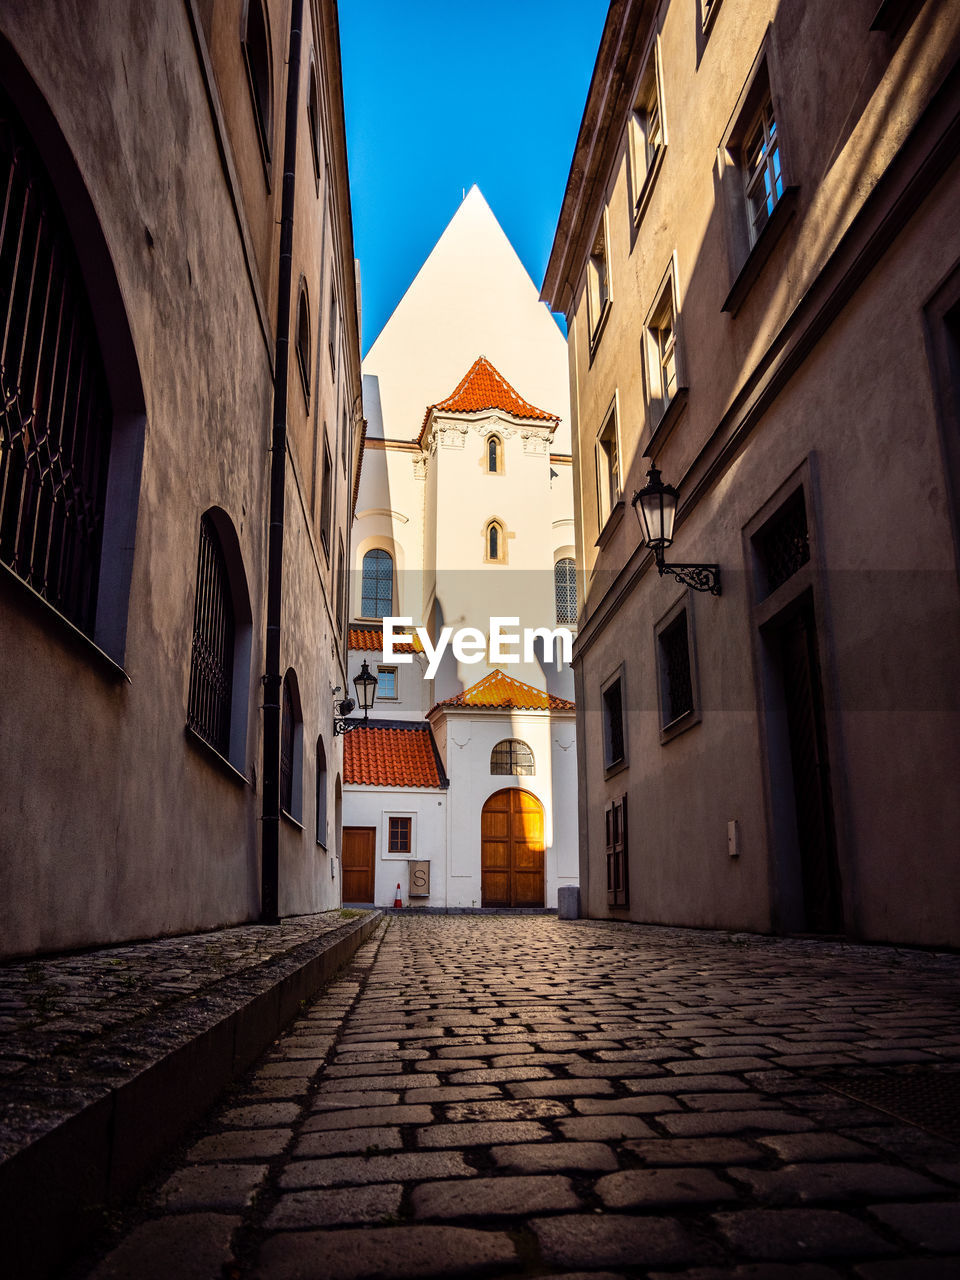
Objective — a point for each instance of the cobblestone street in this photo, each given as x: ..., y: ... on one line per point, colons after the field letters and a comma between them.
x: 493, y: 1095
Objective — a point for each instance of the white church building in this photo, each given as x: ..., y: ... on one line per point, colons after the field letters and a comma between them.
x: 462, y: 788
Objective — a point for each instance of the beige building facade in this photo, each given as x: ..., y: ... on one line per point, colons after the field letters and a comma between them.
x: 179, y: 449
x: 758, y: 256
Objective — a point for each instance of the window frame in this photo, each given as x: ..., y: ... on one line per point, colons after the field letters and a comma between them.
x: 263, y: 113
x: 404, y: 834
x: 663, y: 410
x: 395, y: 672
x: 614, y: 764
x: 609, y: 500
x: 326, y: 495
x: 388, y: 816
x: 340, y: 587
x: 371, y: 551
x: 494, y: 439
x: 303, y: 343
x: 566, y: 621
x: 291, y: 737
x: 333, y: 321
x: 501, y: 557
x: 513, y: 759
x: 645, y: 162
x: 747, y: 252
x: 617, y: 851
x: 322, y: 808
x: 598, y: 283
x: 682, y: 608
x: 313, y: 120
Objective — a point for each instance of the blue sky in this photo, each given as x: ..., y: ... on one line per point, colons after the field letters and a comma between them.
x: 441, y: 94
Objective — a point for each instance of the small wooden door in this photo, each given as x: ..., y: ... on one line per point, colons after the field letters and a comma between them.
x: 358, y: 857
x: 511, y: 850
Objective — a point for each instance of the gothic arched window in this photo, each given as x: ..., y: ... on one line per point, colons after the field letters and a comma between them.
x: 256, y: 52
x: 511, y: 756
x: 291, y: 748
x: 495, y: 545
x: 376, y: 594
x: 494, y: 454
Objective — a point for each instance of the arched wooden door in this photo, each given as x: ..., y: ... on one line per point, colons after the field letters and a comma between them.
x: 511, y: 850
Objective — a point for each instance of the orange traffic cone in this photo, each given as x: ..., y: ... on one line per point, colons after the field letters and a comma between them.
x: 398, y: 901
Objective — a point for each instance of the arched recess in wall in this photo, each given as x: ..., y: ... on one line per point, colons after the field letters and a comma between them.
x: 321, y: 794
x: 219, y: 680
x: 73, y: 286
x: 258, y: 59
x: 313, y: 120
x: 495, y: 542
x: 565, y: 587
x: 494, y: 459
x: 291, y: 748
x: 337, y: 822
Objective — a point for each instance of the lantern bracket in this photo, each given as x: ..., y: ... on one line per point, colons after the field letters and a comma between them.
x: 701, y: 577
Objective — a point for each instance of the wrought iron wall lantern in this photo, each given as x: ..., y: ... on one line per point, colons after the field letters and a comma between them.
x: 365, y: 683
x: 656, y: 508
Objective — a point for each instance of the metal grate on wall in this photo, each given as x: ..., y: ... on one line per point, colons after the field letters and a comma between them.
x: 55, y: 412
x: 783, y: 544
x: 214, y: 634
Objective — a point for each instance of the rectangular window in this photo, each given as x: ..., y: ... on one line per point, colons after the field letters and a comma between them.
x: 614, y: 753
x: 615, y: 820
x: 783, y: 544
x: 664, y: 380
x: 762, y: 176
x: 647, y: 133
x: 598, y: 281
x: 399, y: 839
x: 676, y: 683
x: 386, y: 682
x: 326, y: 495
x: 608, y: 467
x: 344, y: 438
x: 332, y: 334
x: 341, y: 587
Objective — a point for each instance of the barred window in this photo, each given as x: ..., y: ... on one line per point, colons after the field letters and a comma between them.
x: 565, y: 589
x: 511, y: 756
x: 214, y: 634
x: 286, y: 747
x: 783, y: 544
x: 55, y: 410
x: 377, y: 585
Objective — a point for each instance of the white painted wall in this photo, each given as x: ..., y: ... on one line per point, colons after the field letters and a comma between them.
x: 372, y: 806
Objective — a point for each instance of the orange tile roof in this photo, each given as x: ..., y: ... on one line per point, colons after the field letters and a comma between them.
x: 496, y: 691
x: 482, y: 387
x: 392, y: 753
x: 368, y: 636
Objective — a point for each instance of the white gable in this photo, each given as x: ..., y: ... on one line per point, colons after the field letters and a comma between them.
x: 471, y: 297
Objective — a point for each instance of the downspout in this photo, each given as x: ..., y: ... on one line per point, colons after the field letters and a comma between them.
x: 272, y: 679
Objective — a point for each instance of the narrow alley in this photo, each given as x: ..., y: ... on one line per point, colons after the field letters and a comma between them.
x: 500, y: 1095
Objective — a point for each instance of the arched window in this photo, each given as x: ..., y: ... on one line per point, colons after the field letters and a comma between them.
x: 494, y: 454
x: 217, y: 701
x: 494, y: 541
x: 256, y: 53
x: 303, y: 339
x: 512, y: 756
x: 210, y: 703
x: 291, y: 748
x: 313, y: 119
x: 376, y: 596
x: 321, y: 794
x: 55, y: 410
x: 565, y: 588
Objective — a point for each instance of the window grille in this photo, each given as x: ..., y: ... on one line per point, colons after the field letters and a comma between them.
x: 287, y: 731
x: 675, y: 669
x: 565, y: 590
x: 783, y: 544
x: 399, y: 840
x: 321, y: 794
x: 214, y: 632
x: 55, y: 412
x: 511, y: 756
x: 377, y: 585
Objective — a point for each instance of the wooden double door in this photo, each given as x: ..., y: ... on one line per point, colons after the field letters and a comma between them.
x: 511, y: 850
x: 358, y: 863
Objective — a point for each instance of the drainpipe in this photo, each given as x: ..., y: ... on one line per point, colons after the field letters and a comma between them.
x: 272, y: 679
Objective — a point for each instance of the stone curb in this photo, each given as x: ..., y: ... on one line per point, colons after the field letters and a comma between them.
x: 95, y: 1154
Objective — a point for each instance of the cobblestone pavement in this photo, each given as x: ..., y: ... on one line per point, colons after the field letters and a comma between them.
x: 494, y: 1096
